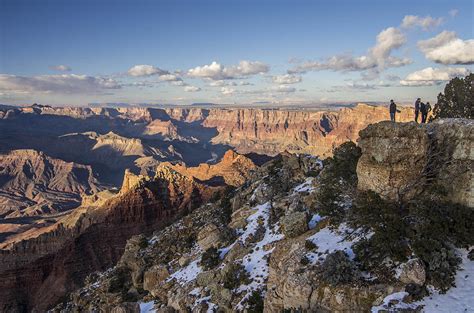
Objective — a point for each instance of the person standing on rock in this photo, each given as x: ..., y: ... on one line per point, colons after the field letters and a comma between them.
x: 417, y: 109
x: 425, y: 109
x: 393, y: 110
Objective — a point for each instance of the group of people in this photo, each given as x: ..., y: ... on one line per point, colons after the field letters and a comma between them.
x: 420, y: 107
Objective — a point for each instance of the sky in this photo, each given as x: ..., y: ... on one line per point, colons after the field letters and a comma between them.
x: 73, y: 52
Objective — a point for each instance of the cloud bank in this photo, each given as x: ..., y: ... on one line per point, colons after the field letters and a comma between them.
x: 63, y: 84
x: 433, y: 76
x: 447, y: 48
x: 217, y: 71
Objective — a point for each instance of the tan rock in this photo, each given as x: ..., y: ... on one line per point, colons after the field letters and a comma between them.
x: 153, y: 277
x: 397, y: 159
x: 413, y: 272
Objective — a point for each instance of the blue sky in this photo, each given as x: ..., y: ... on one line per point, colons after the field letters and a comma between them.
x: 292, y: 52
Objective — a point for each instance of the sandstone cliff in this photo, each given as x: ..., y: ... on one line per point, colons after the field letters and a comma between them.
x: 400, y: 160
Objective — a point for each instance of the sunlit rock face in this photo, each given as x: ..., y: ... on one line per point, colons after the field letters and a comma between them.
x: 274, y: 131
x: 400, y: 159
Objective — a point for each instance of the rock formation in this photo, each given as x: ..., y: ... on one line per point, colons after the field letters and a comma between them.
x: 400, y: 160
x: 33, y: 183
x: 233, y: 169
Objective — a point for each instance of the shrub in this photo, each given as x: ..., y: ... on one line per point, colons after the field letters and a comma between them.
x: 309, y: 245
x: 235, y: 276
x: 457, y: 99
x: 337, y: 180
x: 210, y: 258
x: 143, y: 243
x: 304, y: 260
x: 120, y: 280
x: 428, y: 228
x: 255, y: 302
x: 337, y: 269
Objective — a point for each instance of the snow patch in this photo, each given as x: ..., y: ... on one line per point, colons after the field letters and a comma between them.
x: 147, y: 307
x: 456, y: 299
x: 256, y: 262
x: 393, y: 302
x: 306, y: 186
x: 329, y: 240
x: 315, y: 219
x: 187, y: 274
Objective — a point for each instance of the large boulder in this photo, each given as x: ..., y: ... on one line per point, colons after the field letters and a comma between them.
x: 212, y: 236
x: 154, y: 277
x: 294, y: 224
x: 400, y: 159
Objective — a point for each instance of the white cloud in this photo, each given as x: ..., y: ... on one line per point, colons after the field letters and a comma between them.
x: 453, y: 12
x: 62, y: 68
x: 378, y: 57
x: 227, y: 90
x: 447, y: 48
x: 220, y: 83
x: 433, y: 76
x: 178, y: 83
x: 388, y: 40
x: 286, y: 79
x: 216, y: 71
x: 170, y: 78
x: 63, y: 84
x: 145, y: 70
x: 192, y: 89
x: 425, y: 23
x: 283, y: 88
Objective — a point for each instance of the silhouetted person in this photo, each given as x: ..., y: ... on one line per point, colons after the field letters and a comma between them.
x: 425, y: 109
x: 417, y: 109
x: 393, y: 110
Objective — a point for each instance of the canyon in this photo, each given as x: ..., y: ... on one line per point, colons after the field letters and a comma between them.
x: 77, y: 183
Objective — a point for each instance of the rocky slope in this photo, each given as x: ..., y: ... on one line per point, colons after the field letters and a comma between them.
x: 277, y: 244
x: 33, y: 183
x: 40, y: 265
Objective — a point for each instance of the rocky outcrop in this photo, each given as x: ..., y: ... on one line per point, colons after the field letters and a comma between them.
x: 399, y: 160
x: 233, y: 169
x: 33, y: 183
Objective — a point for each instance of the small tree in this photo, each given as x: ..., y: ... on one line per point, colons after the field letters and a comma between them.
x: 457, y: 100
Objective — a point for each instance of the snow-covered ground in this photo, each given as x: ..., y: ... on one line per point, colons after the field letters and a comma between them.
x: 329, y: 240
x: 306, y: 186
x: 256, y: 262
x: 457, y: 299
x: 147, y: 307
x: 187, y: 273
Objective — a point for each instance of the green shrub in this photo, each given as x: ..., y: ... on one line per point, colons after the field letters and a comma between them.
x: 427, y: 228
x: 255, y: 302
x: 337, y: 269
x: 309, y: 245
x: 120, y: 280
x: 210, y: 258
x: 338, y: 179
x: 235, y: 276
x: 457, y: 99
x: 304, y: 260
x: 143, y: 243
